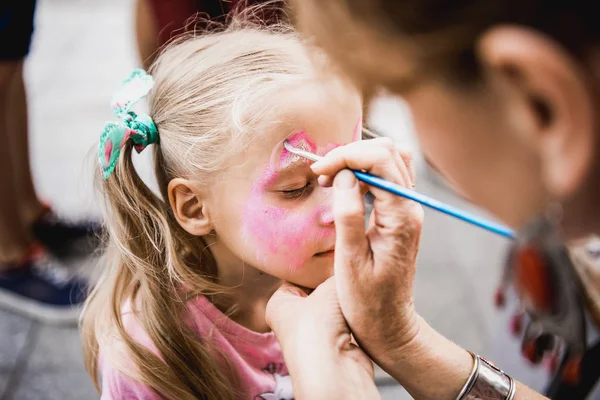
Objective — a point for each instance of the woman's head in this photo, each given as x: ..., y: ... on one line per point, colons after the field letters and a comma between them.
x: 234, y: 203
x: 503, y: 92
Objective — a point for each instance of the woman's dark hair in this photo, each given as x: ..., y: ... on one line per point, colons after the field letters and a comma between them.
x: 444, y: 32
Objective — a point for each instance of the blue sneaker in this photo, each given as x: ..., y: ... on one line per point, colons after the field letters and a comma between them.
x: 43, y: 289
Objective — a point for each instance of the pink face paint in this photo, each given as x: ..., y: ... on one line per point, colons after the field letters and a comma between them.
x: 288, y: 234
x: 292, y: 234
x: 300, y: 140
x: 327, y: 148
x: 281, y: 158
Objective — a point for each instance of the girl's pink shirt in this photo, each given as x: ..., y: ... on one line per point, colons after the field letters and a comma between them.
x: 256, y: 357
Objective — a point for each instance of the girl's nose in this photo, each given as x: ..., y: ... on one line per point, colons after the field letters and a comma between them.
x: 326, y: 214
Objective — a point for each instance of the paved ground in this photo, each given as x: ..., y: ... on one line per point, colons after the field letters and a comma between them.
x: 81, y: 50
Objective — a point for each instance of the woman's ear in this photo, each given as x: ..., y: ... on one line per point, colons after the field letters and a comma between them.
x: 189, y: 208
x: 550, y: 101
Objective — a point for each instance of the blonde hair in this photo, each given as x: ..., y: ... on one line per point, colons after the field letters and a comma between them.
x: 206, y: 101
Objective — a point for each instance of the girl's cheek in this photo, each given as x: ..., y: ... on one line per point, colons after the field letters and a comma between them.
x: 282, y: 234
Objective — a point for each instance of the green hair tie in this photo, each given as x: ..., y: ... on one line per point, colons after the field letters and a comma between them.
x: 139, y: 128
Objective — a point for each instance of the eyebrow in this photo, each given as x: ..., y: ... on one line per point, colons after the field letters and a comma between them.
x: 288, y: 160
x: 293, y: 165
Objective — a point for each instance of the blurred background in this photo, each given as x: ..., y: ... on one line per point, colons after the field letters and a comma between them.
x: 81, y: 50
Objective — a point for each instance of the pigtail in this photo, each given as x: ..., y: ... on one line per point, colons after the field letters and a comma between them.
x: 144, y: 236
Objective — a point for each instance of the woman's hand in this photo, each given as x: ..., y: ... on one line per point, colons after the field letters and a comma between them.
x: 316, y: 344
x: 375, y: 268
x: 374, y: 272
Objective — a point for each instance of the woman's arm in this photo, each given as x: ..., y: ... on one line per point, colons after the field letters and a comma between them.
x: 432, y: 367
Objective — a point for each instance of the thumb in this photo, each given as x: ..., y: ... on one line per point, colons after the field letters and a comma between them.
x: 290, y: 292
x: 351, y: 246
x: 281, y: 302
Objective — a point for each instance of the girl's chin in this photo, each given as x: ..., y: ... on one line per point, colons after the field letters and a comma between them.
x: 311, y: 281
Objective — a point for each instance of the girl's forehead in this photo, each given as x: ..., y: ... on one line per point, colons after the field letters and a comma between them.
x: 317, y: 132
x: 325, y: 114
x: 323, y: 117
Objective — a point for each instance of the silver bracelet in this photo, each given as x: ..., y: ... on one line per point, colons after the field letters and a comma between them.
x: 469, y: 384
x: 487, y: 382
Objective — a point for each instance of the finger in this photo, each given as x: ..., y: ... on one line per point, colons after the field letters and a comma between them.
x: 291, y: 290
x: 362, y: 359
x: 364, y: 188
x: 402, y: 155
x: 325, y: 289
x: 333, y: 156
x: 372, y: 218
x: 402, y: 167
x: 325, y: 180
x: 280, y: 303
x: 351, y: 246
x: 407, y: 157
x: 380, y: 160
x: 359, y: 144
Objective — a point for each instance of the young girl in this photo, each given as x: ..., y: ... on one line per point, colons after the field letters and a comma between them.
x: 179, y: 310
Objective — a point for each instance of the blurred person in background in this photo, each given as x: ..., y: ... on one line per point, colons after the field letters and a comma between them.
x: 158, y: 21
x: 34, y: 241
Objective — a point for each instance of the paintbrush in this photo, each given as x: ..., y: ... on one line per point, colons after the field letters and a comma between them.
x: 396, y: 189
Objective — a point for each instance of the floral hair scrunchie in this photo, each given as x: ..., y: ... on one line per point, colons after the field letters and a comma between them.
x: 137, y: 127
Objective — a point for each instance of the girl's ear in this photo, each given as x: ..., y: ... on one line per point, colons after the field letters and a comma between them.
x: 189, y: 207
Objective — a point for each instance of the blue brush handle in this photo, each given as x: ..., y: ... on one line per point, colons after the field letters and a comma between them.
x: 435, y: 204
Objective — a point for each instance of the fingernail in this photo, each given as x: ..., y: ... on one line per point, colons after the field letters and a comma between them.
x: 344, y: 180
x: 316, y: 165
x: 324, y: 181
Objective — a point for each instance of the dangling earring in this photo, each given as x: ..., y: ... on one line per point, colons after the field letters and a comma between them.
x: 544, y: 277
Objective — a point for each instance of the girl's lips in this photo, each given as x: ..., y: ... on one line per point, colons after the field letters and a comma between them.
x: 328, y: 253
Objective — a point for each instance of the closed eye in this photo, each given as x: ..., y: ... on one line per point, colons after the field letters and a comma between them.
x: 296, y: 193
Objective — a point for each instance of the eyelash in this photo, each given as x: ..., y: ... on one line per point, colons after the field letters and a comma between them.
x: 296, y: 193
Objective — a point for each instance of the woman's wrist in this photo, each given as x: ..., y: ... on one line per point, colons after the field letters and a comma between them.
x: 429, y: 366
x: 432, y: 367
